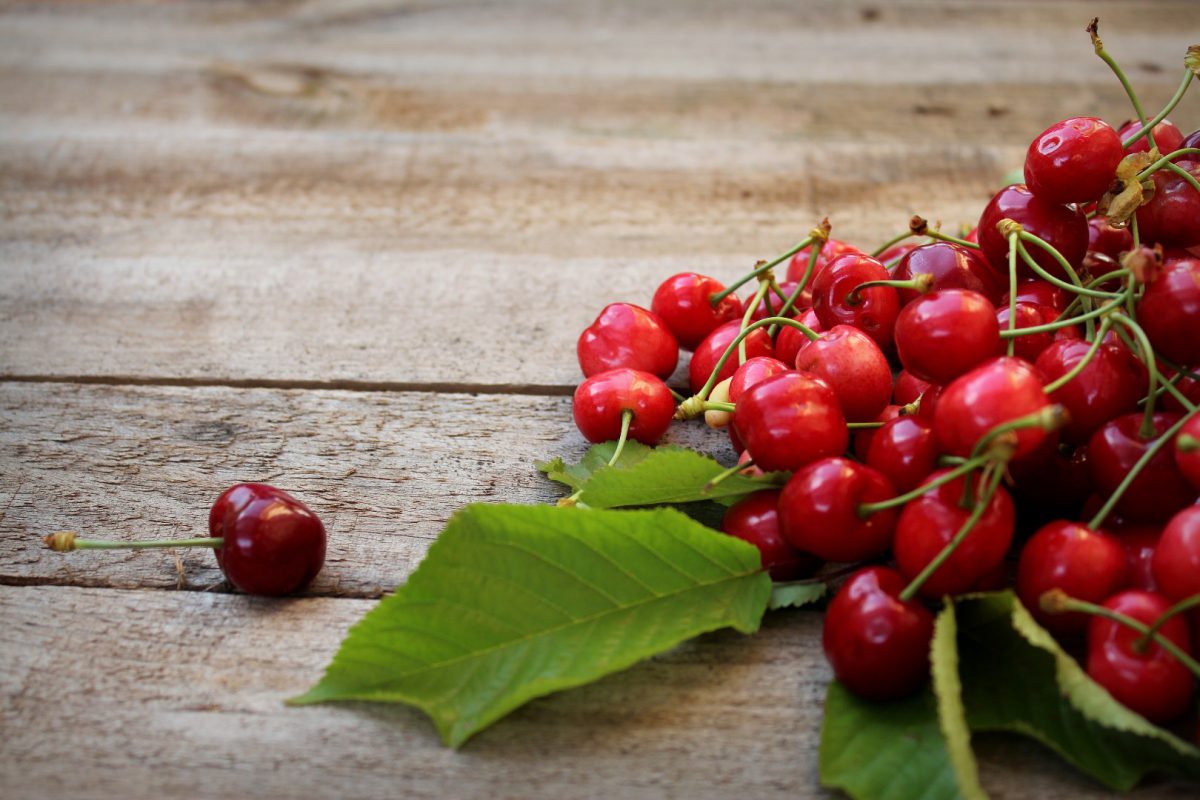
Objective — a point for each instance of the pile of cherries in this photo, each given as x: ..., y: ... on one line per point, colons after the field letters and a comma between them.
x: 946, y: 403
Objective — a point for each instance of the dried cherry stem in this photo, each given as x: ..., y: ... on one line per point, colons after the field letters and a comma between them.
x: 1147, y: 351
x: 981, y: 504
x: 867, y: 509
x: 1094, y: 30
x: 1063, y: 380
x: 920, y: 284
x: 1186, y: 604
x: 1056, y: 601
x: 819, y: 233
x: 764, y: 286
x: 66, y: 541
x: 1136, y: 469
x: 1160, y: 116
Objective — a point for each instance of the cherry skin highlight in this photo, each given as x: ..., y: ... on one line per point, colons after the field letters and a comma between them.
x: 1073, y: 161
x: 790, y: 420
x: 946, y: 333
x: 905, y: 451
x: 874, y: 312
x: 951, y: 266
x: 850, y: 362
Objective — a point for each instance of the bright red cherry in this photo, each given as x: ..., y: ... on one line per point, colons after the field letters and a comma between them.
x: 1030, y: 345
x: 1086, y: 564
x: 861, y: 438
x: 905, y: 451
x: 789, y: 421
x: 1176, y: 562
x: 790, y: 340
x: 625, y: 335
x: 945, y: 333
x: 1159, y: 490
x: 832, y: 250
x: 602, y: 399
x: 683, y: 302
x: 872, y: 310
x: 876, y: 643
x: 1073, y: 161
x: 755, y: 519
x: 1188, y: 460
x: 1169, y: 311
x: 951, y: 266
x: 709, y: 352
x: 273, y: 543
x: 818, y: 511
x: 850, y: 362
x: 1151, y: 682
x: 1167, y: 136
x: 1063, y: 227
x: 755, y: 370
x: 1110, y: 385
x: 993, y: 393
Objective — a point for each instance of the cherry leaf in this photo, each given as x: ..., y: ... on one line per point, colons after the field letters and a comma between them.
x: 795, y: 595
x: 597, y: 457
x: 670, y: 475
x: 952, y: 718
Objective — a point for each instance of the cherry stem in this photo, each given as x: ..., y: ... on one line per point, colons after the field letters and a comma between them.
x: 702, y: 395
x: 1071, y: 374
x: 945, y: 237
x: 758, y: 270
x: 714, y: 405
x: 1143, y: 344
x: 1186, y: 443
x: 1183, y: 173
x: 813, y: 254
x: 1137, y: 467
x: 1169, y: 387
x: 867, y: 509
x: 1063, y: 322
x: 1160, y: 116
x: 1094, y: 30
x: 1093, y: 283
x: 1014, y: 241
x: 66, y: 541
x: 1056, y: 601
x: 1050, y: 418
x: 1076, y: 285
x: 1133, y: 232
x: 724, y: 475
x: 921, y: 283
x: 1165, y: 161
x: 981, y: 504
x: 1186, y: 604
x: 859, y: 426
x: 626, y: 420
x: 895, y: 240
x: 763, y: 287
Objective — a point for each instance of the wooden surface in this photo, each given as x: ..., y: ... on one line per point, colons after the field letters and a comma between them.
x: 347, y: 248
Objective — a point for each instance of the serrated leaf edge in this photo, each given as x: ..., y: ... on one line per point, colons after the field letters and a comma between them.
x: 952, y: 716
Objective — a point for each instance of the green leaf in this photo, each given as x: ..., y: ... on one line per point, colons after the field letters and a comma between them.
x: 885, y: 751
x: 952, y: 718
x: 597, y: 456
x: 1016, y: 678
x: 669, y: 475
x: 515, y: 602
x: 795, y: 595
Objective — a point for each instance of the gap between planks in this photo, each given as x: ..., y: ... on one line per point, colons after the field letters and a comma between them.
x: 524, y: 389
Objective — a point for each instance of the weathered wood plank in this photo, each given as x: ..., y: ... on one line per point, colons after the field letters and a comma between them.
x: 181, y: 693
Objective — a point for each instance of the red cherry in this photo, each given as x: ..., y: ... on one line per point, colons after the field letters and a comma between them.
x: 993, y: 393
x: 1151, y: 682
x: 1169, y: 311
x: 929, y: 522
x: 625, y: 335
x: 683, y: 303
x: 273, y: 543
x: 1030, y: 345
x: 832, y: 250
x: 1188, y: 461
x: 1073, y: 161
x: 1172, y: 216
x: 790, y: 340
x: 1104, y: 238
x: 945, y: 333
x: 951, y: 266
x: 601, y: 399
x: 1139, y: 542
x: 905, y: 451
x: 1176, y: 562
x: 861, y: 437
x: 892, y: 256
x: 876, y: 643
x: 1063, y: 227
x: 755, y: 519
x: 908, y: 388
x: 1039, y: 292
x: 876, y: 308
x: 1088, y: 565
x: 818, y: 511
x: 850, y: 362
x: 709, y: 352
x: 1166, y: 135
x: 1159, y: 490
x: 1110, y: 385
x: 789, y: 421
x: 755, y: 370
x: 1053, y: 487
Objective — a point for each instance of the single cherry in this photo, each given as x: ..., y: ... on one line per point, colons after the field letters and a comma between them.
x: 601, y: 400
x: 1062, y: 227
x: 683, y: 302
x: 755, y: 370
x: 1087, y: 564
x: 819, y: 511
x: 1159, y: 489
x: 950, y: 266
x: 625, y: 335
x: 790, y: 420
x: 790, y: 340
x: 1169, y: 311
x: 1186, y: 449
x: 1167, y: 136
x: 755, y: 519
x: 1172, y: 215
x: 1176, y: 562
x: 996, y: 392
x: 709, y: 352
x: 1110, y: 385
x: 851, y: 362
x: 1073, y: 161
x: 1027, y: 346
x: 945, y: 333
x: 905, y: 451
x: 838, y: 300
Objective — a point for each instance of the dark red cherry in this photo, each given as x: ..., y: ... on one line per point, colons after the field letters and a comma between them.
x: 789, y: 421
x: 1039, y: 292
x: 1166, y: 135
x: 952, y: 267
x: 861, y: 437
x: 625, y: 335
x: 998, y: 391
x: 1150, y: 681
x: 1172, y: 216
x: 1073, y: 161
x: 1086, y: 564
x: 1104, y: 238
x: 709, y: 352
x: 1063, y: 227
x: 1176, y: 562
x: 1169, y: 311
x: 1188, y: 461
x: 832, y: 250
x: 1139, y: 542
x: 945, y: 333
x: 1030, y: 345
x: 850, y: 361
x: 876, y: 643
x: 1159, y: 490
x: 908, y: 388
x: 755, y: 519
x: 790, y: 340
x: 1111, y: 384
x: 1050, y: 487
x: 754, y: 371
x: 905, y: 451
x: 872, y: 310
x: 601, y: 399
x: 818, y: 511
x: 683, y: 302
x: 273, y: 543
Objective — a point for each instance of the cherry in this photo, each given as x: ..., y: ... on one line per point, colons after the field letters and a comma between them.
x: 709, y: 352
x: 1073, y: 161
x: 755, y: 519
x: 1140, y: 542
x: 625, y: 335
x: 790, y: 340
x: 928, y: 523
x: 683, y: 302
x: 790, y: 420
x: 945, y: 333
x: 1159, y: 490
x: 892, y: 256
x: 905, y: 451
x: 1187, y: 459
x: 754, y: 371
x: 601, y: 400
x: 1028, y: 346
x: 1104, y: 238
x: 872, y: 310
x: 1110, y: 385
x: 819, y: 511
x: 1050, y: 487
x: 1039, y: 292
x: 876, y: 643
x: 951, y: 266
x: 1062, y: 227
x: 1087, y: 564
x: 1172, y: 215
x: 273, y: 544
x: 850, y: 362
x: 1166, y: 135
x: 908, y: 388
x: 1147, y: 680
x: 861, y: 438
x: 832, y: 250
x: 1169, y: 311
x: 998, y: 391
x: 1176, y: 562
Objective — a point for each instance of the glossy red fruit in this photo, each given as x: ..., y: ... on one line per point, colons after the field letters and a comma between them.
x: 1176, y: 562
x: 755, y: 519
x: 709, y: 352
x: 860, y: 438
x: 1188, y: 460
x: 951, y: 266
x: 1110, y: 385
x: 929, y: 522
x: 1159, y: 490
x: 993, y: 393
x: 790, y: 340
x: 755, y: 370
x: 1063, y: 227
x: 273, y: 543
x: 945, y: 333
x: 832, y: 250
x: 908, y: 388
x: 818, y: 511
x: 1139, y: 542
x: 789, y: 421
x: 1104, y: 238
x: 1167, y: 136
x: 873, y: 310
x: 1030, y: 345
x: 601, y: 399
x: 1172, y: 216
x: 1169, y: 311
x: 877, y: 644
x: 625, y: 335
x: 850, y: 362
x: 1073, y: 161
x: 1039, y: 292
x: 1151, y: 682
x: 1086, y: 564
x: 683, y: 302
x: 905, y: 451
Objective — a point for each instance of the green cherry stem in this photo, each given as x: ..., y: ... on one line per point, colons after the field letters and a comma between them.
x: 66, y: 541
x: 626, y: 421
x: 702, y: 395
x: 933, y: 233
x: 1094, y: 30
x: 813, y: 254
x: 1186, y: 604
x: 920, y: 284
x: 1056, y: 601
x: 1050, y: 418
x: 1063, y: 322
x: 1186, y: 443
x: 1136, y: 469
x: 1183, y: 173
x: 1147, y: 351
x: 1160, y: 116
x: 864, y: 426
x: 1169, y: 387
x: 725, y: 474
x: 1071, y: 374
x: 1165, y: 160
x: 895, y: 240
x: 867, y: 509
x: 763, y: 287
x: 1075, y: 284
x: 1092, y: 284
x: 760, y: 268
